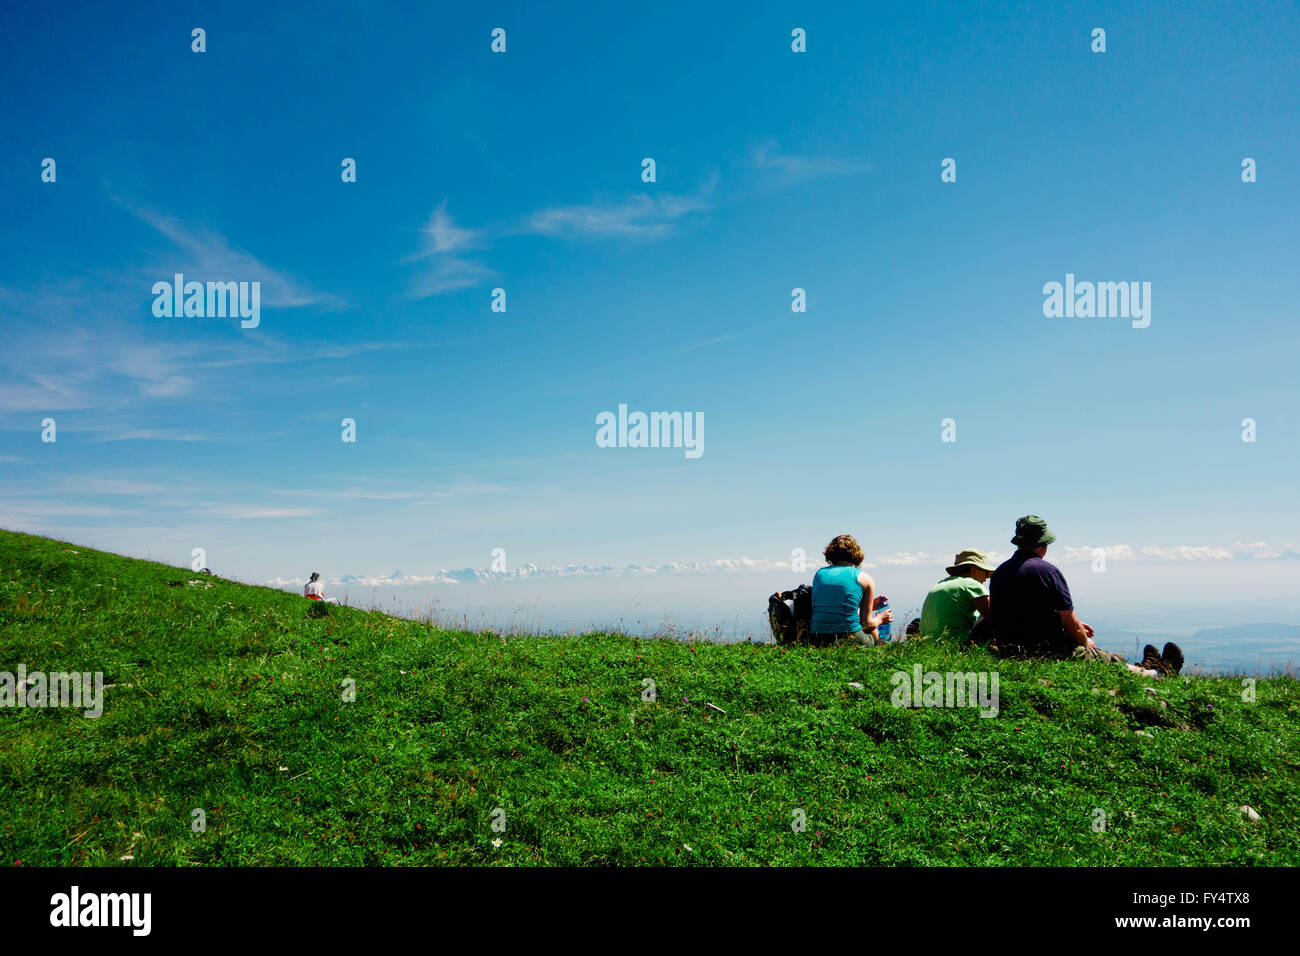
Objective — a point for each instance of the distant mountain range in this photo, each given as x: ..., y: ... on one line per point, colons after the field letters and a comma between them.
x: 465, y: 575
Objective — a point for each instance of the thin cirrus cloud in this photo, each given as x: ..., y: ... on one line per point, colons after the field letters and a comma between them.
x: 67, y: 346
x: 154, y: 434
x: 442, y: 235
x: 638, y: 217
x: 94, y: 361
x: 209, y: 255
x: 442, y: 245
x: 769, y: 158
x: 447, y: 274
x: 97, y: 485
x: 444, y: 242
x: 642, y: 216
x: 716, y: 340
x: 418, y: 496
x: 50, y: 509
x: 44, y: 393
x: 248, y: 513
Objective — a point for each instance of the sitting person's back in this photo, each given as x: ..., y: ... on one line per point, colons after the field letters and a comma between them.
x: 314, y: 590
x: 842, y: 595
x: 1036, y: 613
x: 836, y: 600
x: 954, y: 605
x: 1031, y: 595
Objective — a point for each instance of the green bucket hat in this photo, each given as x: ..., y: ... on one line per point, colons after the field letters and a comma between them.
x: 1031, y: 532
x: 973, y: 557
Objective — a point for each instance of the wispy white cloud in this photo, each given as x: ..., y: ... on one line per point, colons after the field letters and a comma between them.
x: 1114, y: 552
x: 1261, y: 550
x: 94, y: 485
x: 1253, y: 550
x: 153, y: 434
x: 350, y: 351
x: 208, y: 255
x: 93, y: 361
x: 50, y: 509
x: 642, y: 216
x: 246, y: 512
x: 447, y: 274
x: 466, y: 491
x: 66, y: 346
x: 1185, y: 552
x: 907, y: 559
x: 769, y: 156
x: 716, y: 340
x: 375, y: 491
x: 153, y: 367
x: 442, y: 235
x: 446, y: 268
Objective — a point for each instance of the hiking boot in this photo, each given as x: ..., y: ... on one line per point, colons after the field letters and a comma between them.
x: 1171, y: 659
x: 1151, y: 657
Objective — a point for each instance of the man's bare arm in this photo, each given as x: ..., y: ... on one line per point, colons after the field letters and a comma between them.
x: 1078, y: 631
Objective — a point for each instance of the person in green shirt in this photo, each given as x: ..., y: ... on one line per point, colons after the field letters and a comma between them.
x: 958, y: 606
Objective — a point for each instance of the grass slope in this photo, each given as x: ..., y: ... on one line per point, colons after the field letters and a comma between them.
x: 229, y: 699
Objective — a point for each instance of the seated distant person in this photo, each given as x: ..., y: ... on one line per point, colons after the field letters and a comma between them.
x: 1036, y: 617
x: 314, y: 590
x: 841, y: 596
x: 958, y: 606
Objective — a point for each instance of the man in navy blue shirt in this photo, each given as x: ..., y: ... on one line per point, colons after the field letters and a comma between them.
x: 1034, y: 613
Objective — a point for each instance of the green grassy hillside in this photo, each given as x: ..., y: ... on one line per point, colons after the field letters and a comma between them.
x: 229, y: 699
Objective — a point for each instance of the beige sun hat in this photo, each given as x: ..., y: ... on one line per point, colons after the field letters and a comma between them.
x: 973, y: 557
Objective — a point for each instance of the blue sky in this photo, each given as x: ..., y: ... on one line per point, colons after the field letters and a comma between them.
x: 775, y: 170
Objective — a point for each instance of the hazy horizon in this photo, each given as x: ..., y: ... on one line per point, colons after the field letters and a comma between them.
x: 729, y: 603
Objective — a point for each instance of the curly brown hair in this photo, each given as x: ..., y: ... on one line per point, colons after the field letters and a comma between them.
x: 843, y: 549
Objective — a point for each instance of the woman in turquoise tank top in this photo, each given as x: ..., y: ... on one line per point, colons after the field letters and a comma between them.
x: 839, y: 594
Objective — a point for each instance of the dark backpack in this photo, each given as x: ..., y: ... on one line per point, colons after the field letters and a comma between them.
x: 790, y: 615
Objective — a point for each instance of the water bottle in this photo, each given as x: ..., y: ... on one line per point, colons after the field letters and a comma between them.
x: 883, y: 631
